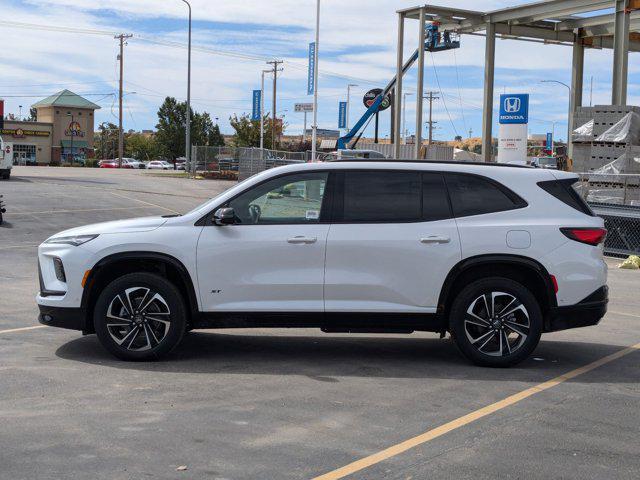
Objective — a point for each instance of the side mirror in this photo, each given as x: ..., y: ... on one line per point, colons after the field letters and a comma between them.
x: 224, y: 216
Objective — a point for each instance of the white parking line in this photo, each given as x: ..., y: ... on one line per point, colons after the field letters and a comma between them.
x: 26, y: 245
x: 74, y: 211
x: 146, y: 203
x: 23, y: 329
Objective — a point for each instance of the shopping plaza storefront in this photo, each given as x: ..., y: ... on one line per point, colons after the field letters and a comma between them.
x: 63, y: 131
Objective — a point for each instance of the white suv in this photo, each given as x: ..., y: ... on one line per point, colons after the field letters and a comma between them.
x: 495, y: 255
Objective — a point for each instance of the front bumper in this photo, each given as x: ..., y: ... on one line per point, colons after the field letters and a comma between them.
x: 63, y: 317
x: 583, y: 314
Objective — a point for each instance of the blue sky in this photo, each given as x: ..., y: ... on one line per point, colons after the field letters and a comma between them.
x: 235, y: 38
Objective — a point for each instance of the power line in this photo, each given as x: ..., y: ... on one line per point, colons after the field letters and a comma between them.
x: 455, y: 62
x: 435, y: 70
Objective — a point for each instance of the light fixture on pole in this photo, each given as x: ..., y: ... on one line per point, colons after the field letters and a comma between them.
x: 349, y: 102
x: 570, y: 112
x: 314, y: 136
x: 188, y: 114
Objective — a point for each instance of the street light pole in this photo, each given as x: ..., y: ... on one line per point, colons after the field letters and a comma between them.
x: 314, y: 136
x: 349, y: 101
x: 188, y: 122
x: 570, y: 112
x: 404, y: 115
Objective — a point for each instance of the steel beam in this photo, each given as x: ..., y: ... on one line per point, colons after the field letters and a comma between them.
x: 575, y: 99
x: 543, y: 10
x: 620, y: 54
x: 487, y: 111
x: 420, y: 84
x: 398, y: 97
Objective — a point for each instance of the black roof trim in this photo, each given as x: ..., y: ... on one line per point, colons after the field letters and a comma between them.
x: 438, y: 162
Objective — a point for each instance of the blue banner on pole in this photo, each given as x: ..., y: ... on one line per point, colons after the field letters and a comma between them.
x: 342, y: 115
x: 311, y: 80
x: 257, y: 104
x: 549, y: 142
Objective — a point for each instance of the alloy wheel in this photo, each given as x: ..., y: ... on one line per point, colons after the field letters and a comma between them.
x: 497, y: 324
x: 138, y: 318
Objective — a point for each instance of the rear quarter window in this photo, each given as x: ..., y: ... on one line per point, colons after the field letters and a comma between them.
x: 477, y: 195
x: 564, y: 191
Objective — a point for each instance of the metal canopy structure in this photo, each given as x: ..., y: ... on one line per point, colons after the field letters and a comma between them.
x: 612, y: 24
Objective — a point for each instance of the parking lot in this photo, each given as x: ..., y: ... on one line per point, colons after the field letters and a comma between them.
x: 289, y: 404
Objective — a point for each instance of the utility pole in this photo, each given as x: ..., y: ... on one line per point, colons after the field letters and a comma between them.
x: 275, y: 64
x: 122, y: 37
x: 431, y: 97
x: 262, y: 113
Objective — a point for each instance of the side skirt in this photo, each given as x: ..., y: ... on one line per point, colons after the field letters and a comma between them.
x: 333, y: 322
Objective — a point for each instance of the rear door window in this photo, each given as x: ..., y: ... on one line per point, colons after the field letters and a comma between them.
x: 382, y: 196
x: 388, y: 196
x: 477, y: 195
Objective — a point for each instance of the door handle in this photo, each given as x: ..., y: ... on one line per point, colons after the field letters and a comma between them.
x: 302, y: 240
x: 435, y: 239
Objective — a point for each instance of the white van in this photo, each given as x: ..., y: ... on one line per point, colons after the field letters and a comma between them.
x: 6, y: 159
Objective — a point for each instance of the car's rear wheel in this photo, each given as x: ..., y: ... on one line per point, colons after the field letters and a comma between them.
x: 140, y: 316
x: 496, y: 322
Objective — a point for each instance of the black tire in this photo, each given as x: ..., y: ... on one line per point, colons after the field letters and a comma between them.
x: 159, y: 325
x: 6, y: 175
x: 489, y: 333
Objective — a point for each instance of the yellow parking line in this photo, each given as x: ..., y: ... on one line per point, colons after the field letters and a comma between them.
x: 469, y: 418
x: 23, y: 329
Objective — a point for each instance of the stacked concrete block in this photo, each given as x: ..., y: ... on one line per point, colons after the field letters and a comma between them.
x: 593, y: 154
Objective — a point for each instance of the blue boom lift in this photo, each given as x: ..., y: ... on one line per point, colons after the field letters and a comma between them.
x: 435, y: 41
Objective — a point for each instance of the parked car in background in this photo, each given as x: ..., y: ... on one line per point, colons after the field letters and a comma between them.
x: 344, y: 246
x: 132, y: 163
x: 108, y: 164
x: 159, y: 165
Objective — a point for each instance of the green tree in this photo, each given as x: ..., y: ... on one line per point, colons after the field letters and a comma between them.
x: 141, y: 147
x: 33, y: 115
x: 170, y: 135
x: 215, y: 137
x: 106, y: 141
x: 247, y: 131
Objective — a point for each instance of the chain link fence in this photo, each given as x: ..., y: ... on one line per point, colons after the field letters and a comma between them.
x: 615, y: 198
x: 239, y: 162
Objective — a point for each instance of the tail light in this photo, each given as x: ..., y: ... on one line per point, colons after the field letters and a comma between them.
x: 590, y: 236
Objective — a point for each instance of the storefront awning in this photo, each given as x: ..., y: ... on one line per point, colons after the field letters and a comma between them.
x: 76, y: 144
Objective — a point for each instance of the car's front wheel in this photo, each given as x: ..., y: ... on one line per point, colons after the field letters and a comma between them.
x: 140, y: 316
x: 496, y: 322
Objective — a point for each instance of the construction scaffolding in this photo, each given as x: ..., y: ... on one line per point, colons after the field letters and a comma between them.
x: 579, y: 24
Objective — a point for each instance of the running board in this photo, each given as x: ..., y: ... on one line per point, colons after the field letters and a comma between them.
x: 365, y: 330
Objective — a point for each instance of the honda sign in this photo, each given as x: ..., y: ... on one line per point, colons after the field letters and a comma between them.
x: 514, y: 108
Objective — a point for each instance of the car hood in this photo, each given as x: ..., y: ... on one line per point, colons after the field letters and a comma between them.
x: 142, y: 224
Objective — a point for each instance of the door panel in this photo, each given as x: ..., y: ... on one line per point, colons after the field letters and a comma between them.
x: 393, y: 243
x: 258, y: 268
x: 272, y: 257
x: 388, y: 267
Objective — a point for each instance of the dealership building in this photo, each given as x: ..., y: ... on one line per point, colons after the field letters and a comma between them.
x: 63, y: 130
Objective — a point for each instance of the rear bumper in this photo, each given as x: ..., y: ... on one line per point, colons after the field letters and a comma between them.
x: 583, y: 314
x: 63, y: 317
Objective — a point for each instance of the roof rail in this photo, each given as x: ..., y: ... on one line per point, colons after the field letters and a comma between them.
x: 413, y: 160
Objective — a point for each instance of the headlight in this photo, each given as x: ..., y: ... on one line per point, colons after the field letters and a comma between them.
x: 73, y: 240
